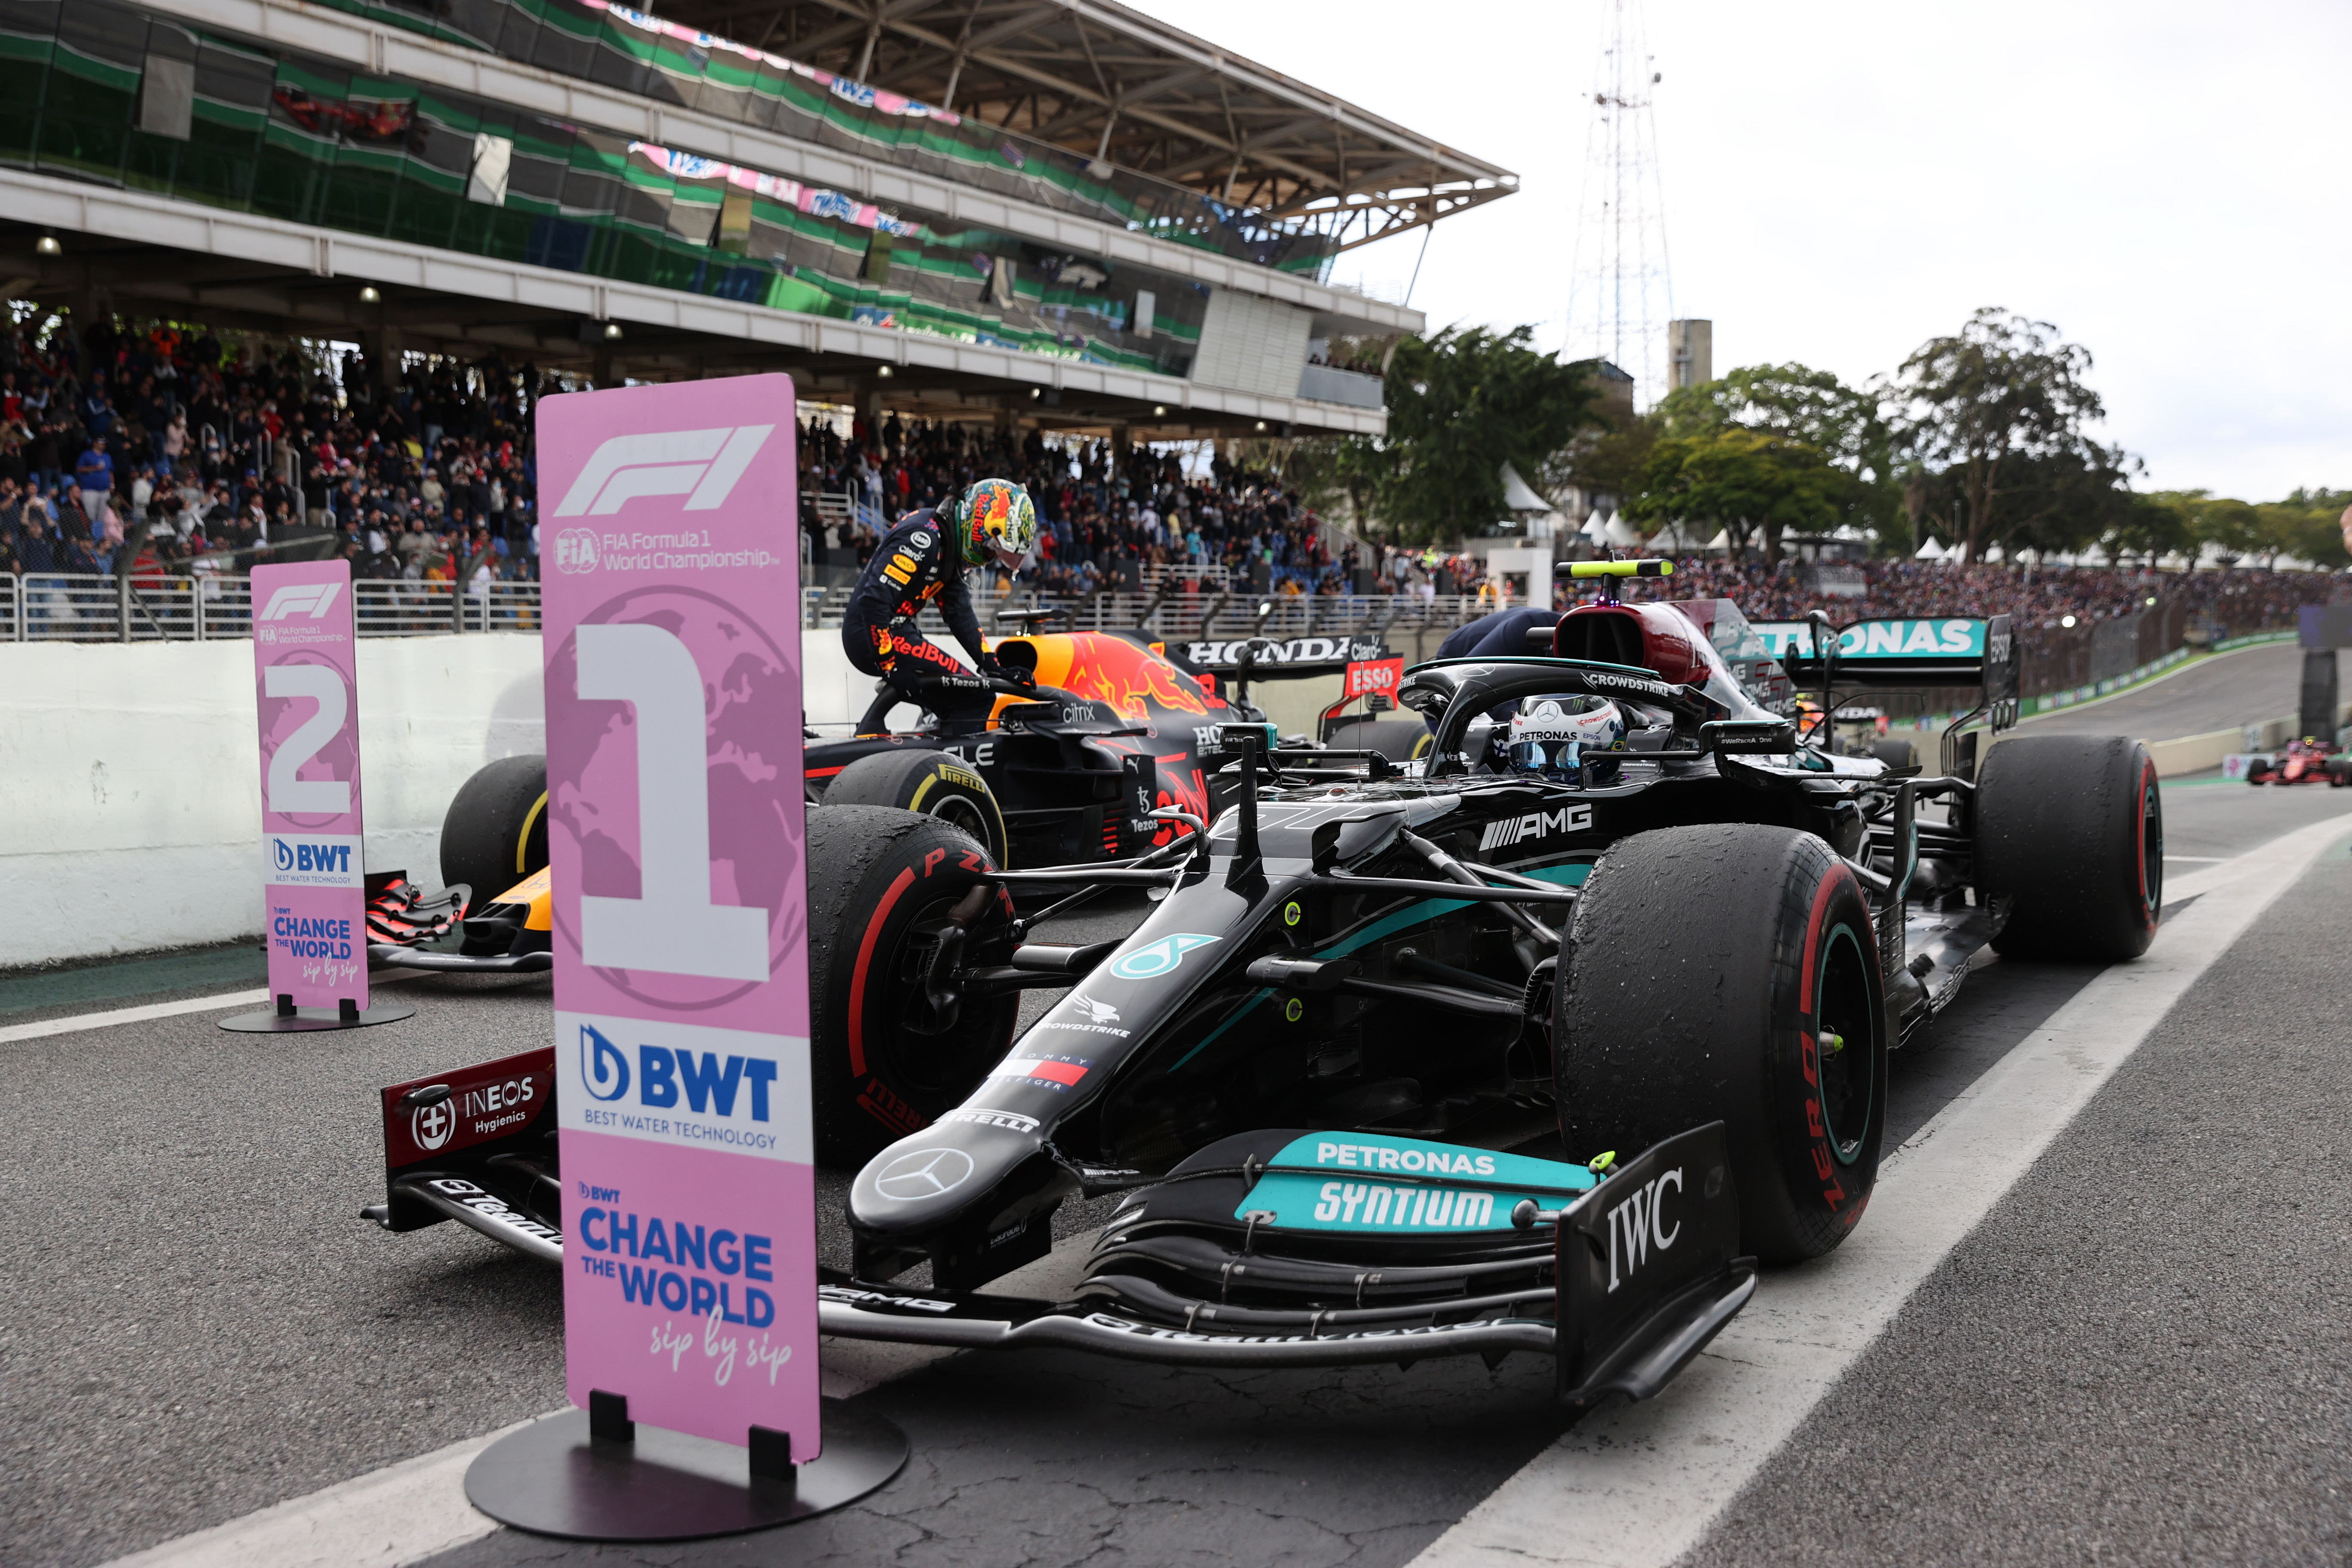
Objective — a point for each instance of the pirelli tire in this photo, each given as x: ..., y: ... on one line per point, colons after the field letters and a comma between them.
x: 1729, y: 972
x: 495, y: 834
x: 1896, y: 754
x: 2070, y: 830
x: 883, y: 1061
x: 933, y: 782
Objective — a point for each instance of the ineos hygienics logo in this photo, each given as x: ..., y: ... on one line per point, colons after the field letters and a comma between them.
x: 431, y: 1125
x: 924, y: 1174
x: 700, y: 465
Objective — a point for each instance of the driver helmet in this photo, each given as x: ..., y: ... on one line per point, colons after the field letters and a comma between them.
x: 999, y: 523
x: 1551, y: 734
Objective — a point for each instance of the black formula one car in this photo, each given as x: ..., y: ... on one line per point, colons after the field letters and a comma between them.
x: 1696, y: 948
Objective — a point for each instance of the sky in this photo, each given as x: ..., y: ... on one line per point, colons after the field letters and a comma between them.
x: 2167, y: 184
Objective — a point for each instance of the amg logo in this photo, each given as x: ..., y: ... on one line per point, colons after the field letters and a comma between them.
x: 1634, y: 1224
x: 700, y: 465
x: 1503, y: 832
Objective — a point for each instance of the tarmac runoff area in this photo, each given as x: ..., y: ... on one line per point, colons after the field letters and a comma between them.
x: 2097, y: 1309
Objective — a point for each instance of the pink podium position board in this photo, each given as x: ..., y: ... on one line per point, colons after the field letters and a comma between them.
x: 670, y: 550
x: 306, y: 674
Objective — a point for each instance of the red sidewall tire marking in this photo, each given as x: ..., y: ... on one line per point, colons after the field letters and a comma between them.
x: 898, y: 886
x: 1823, y: 1157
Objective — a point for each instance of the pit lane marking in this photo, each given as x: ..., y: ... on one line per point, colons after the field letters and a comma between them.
x: 1644, y: 1485
x: 107, y: 1020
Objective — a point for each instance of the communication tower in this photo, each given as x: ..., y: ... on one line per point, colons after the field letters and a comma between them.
x: 1621, y: 287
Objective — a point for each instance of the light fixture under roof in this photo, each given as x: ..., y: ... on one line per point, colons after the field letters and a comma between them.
x: 368, y: 295
x: 47, y: 245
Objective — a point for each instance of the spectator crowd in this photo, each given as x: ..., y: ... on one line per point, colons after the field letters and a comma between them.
x: 1104, y: 515
x: 2035, y: 596
x: 210, y: 455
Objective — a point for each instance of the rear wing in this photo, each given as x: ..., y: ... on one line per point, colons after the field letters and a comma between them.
x: 1265, y: 659
x: 1890, y: 653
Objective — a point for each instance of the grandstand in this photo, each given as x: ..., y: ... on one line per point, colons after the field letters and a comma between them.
x: 1063, y: 216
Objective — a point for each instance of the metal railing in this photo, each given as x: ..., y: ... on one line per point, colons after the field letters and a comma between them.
x: 1176, y: 603
x: 105, y: 607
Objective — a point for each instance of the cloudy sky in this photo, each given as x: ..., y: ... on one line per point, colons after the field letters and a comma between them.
x: 2166, y: 183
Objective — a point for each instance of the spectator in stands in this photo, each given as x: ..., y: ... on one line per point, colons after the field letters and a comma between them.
x: 94, y: 477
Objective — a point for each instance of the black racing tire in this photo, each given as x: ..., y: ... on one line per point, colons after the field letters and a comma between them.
x: 1896, y: 754
x: 2070, y: 829
x: 933, y: 782
x: 496, y: 832
x: 880, y: 884
x: 1706, y: 965
x: 1398, y: 740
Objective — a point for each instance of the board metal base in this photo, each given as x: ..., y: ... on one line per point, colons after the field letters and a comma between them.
x: 552, y: 1478
x: 299, y: 1020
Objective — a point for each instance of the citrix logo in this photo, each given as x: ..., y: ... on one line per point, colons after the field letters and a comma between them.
x: 709, y: 1085
x: 701, y: 465
x: 300, y: 598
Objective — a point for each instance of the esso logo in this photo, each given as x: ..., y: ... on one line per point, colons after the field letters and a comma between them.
x: 1376, y: 678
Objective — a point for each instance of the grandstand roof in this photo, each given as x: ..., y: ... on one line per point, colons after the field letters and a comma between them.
x: 1111, y: 83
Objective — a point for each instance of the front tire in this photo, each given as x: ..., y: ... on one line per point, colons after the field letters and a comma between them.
x: 1708, y: 968
x: 495, y: 834
x: 933, y: 782
x: 882, y: 1060
x: 2070, y: 829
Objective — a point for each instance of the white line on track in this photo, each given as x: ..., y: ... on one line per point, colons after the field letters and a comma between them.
x: 407, y: 1512
x: 46, y: 1027
x: 1642, y: 1485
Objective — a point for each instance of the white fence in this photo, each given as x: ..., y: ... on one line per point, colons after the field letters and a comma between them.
x: 1175, y: 604
x: 65, y: 608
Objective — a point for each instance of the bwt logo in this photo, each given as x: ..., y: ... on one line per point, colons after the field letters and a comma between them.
x: 708, y: 1084
x: 700, y: 465
x: 301, y: 598
x: 292, y: 856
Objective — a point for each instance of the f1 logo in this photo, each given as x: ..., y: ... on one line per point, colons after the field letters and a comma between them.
x: 300, y: 598
x: 701, y: 465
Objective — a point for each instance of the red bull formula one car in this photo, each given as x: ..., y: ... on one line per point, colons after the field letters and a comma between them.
x: 1694, y: 943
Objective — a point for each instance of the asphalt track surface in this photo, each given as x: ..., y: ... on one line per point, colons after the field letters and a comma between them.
x: 2226, y: 692
x: 2142, y: 1354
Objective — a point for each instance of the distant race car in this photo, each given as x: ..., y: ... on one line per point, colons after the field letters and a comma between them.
x: 1692, y: 938
x: 2308, y: 761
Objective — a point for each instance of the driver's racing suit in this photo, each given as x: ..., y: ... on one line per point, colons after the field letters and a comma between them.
x: 916, y: 563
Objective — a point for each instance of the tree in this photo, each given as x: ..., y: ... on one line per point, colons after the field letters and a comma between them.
x: 1740, y: 479
x: 1462, y: 404
x: 1990, y: 403
x: 1846, y: 425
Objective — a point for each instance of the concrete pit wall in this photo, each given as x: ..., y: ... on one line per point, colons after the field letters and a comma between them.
x: 131, y: 779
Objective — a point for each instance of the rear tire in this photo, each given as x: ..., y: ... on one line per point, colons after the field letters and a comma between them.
x: 880, y: 883
x: 1705, y: 964
x: 2071, y: 829
x: 1896, y: 754
x: 933, y: 782
x: 495, y: 834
